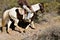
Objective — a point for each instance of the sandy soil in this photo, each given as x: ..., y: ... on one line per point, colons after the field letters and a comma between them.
x: 45, y: 30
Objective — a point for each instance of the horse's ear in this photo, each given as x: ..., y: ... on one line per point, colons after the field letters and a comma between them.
x: 41, y: 7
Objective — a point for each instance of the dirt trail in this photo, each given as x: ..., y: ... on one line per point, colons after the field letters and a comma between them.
x: 42, y: 31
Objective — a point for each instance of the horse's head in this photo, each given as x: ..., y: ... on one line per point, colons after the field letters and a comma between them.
x: 41, y: 7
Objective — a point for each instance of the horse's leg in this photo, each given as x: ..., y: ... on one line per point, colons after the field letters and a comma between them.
x: 26, y: 27
x: 32, y: 25
x: 16, y: 24
x: 9, y: 23
x: 4, y: 20
x: 2, y: 25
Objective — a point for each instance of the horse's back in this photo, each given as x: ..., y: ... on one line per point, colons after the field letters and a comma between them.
x: 12, y: 12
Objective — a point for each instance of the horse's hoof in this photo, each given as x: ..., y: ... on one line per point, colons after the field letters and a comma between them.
x: 24, y: 31
x: 32, y: 28
x: 1, y: 29
x: 19, y: 31
x: 8, y: 32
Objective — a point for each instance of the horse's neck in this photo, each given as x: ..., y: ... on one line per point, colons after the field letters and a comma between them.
x: 35, y: 7
x: 22, y: 12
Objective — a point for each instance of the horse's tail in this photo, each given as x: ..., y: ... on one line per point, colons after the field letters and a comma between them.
x: 4, y: 18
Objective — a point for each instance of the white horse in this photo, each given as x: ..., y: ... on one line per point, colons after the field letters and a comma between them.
x: 12, y: 13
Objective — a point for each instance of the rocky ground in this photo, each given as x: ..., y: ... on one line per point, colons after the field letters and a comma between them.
x: 47, y: 29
